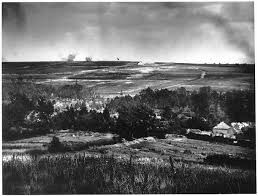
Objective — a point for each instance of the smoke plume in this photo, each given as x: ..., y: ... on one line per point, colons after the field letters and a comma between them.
x: 71, y: 57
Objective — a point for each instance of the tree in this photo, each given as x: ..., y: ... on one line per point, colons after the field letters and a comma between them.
x: 108, y: 121
x: 106, y: 115
x: 239, y: 105
x: 167, y: 113
x: 197, y: 123
x: 19, y: 107
x: 148, y: 96
x: 83, y: 109
x: 45, y: 109
x: 14, y: 113
x: 182, y: 97
x: 135, y: 121
x: 201, y: 101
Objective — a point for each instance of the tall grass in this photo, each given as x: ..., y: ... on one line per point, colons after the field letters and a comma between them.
x: 87, y: 175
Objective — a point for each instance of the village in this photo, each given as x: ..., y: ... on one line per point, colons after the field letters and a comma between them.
x: 237, y: 133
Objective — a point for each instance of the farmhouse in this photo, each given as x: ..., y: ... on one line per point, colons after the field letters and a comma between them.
x: 224, y: 130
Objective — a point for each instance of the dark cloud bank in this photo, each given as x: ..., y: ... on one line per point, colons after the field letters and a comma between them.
x: 129, y: 30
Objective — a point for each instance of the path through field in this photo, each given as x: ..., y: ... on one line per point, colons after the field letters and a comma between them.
x: 109, y: 79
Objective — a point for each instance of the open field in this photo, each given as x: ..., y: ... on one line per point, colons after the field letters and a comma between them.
x: 110, y: 77
x: 180, y: 148
x: 40, y: 143
x: 139, y: 166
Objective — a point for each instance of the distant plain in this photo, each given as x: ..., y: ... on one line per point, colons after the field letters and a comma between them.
x: 109, y: 78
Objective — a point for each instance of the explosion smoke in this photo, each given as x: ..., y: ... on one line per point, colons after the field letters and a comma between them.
x: 71, y: 57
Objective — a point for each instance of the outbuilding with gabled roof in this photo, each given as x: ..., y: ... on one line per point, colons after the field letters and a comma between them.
x: 222, y: 129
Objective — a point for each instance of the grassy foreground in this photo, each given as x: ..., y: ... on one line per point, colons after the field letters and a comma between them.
x: 79, y: 174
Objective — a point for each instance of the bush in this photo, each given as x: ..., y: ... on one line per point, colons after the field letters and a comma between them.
x: 55, y: 145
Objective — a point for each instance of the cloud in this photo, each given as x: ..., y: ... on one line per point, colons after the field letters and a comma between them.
x: 148, y: 31
x: 14, y: 17
x: 223, y: 16
x: 225, y: 20
x: 231, y: 34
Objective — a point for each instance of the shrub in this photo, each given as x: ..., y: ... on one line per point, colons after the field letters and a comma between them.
x: 55, y: 145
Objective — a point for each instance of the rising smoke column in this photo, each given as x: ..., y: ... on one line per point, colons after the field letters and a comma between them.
x: 71, y: 57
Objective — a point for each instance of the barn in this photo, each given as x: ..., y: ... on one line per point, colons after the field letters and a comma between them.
x: 224, y: 130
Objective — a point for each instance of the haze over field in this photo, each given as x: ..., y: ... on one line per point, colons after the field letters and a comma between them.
x: 110, y: 78
x: 173, y: 32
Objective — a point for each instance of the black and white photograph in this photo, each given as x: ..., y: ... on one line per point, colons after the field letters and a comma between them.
x: 128, y: 98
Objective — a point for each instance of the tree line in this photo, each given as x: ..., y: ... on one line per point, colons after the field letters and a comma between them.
x: 151, y: 112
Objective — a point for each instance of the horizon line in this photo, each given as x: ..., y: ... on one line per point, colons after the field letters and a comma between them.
x: 136, y: 61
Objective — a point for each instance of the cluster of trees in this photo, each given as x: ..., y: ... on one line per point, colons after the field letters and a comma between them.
x: 137, y: 116
x: 27, y: 109
x: 14, y: 115
x: 201, y: 109
x: 133, y: 121
x: 82, y: 119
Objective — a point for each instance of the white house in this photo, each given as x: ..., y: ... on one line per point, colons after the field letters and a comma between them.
x: 222, y: 129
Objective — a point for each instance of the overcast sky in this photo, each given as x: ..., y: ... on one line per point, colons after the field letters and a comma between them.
x: 177, y: 32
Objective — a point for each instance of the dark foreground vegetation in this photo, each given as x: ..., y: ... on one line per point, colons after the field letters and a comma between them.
x: 84, y: 175
x: 225, y: 159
